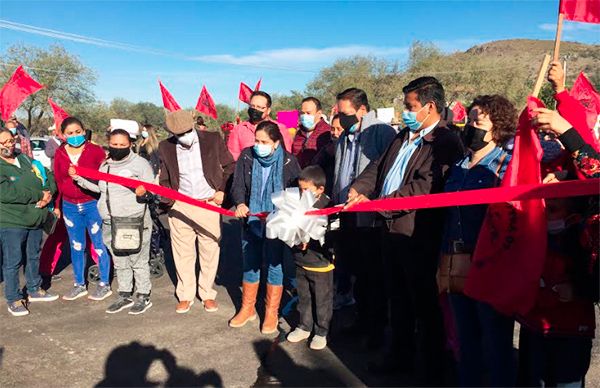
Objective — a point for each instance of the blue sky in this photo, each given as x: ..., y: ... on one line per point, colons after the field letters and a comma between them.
x: 189, y: 43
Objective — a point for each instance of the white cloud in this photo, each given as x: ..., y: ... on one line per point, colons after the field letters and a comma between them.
x: 302, y: 55
x: 570, y: 26
x: 291, y: 59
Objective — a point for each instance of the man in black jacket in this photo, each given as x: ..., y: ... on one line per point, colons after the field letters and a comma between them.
x: 416, y: 163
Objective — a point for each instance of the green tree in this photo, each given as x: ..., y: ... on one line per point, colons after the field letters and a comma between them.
x: 65, y: 78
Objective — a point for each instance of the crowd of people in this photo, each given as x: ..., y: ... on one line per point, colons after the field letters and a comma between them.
x: 405, y: 270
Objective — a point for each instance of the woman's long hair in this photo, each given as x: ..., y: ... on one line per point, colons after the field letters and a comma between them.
x: 151, y: 142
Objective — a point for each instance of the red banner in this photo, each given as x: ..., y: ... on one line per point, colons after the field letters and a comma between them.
x: 206, y: 104
x: 168, y: 100
x: 580, y: 10
x: 59, y: 115
x: 245, y: 93
x: 512, y: 239
x: 586, y: 94
x: 15, y: 91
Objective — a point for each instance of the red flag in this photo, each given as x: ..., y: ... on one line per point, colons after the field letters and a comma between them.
x: 59, y: 115
x: 588, y: 96
x: 257, y: 87
x: 459, y: 112
x: 580, y: 10
x: 511, y: 250
x: 168, y: 101
x: 15, y: 91
x: 206, y: 104
x: 245, y: 93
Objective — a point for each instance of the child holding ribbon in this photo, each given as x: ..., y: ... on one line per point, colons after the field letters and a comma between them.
x: 314, y: 272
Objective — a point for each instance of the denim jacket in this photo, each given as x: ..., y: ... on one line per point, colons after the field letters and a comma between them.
x: 464, y: 222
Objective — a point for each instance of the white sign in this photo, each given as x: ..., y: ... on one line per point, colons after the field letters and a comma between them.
x: 385, y: 114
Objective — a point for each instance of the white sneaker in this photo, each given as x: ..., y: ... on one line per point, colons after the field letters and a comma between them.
x: 298, y: 335
x: 318, y: 342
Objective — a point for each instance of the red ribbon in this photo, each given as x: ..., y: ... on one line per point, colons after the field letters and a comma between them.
x: 156, y: 189
x: 459, y: 198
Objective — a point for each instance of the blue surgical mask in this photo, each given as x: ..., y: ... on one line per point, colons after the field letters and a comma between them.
x: 307, y: 121
x: 263, y: 150
x: 410, y: 119
x: 145, y: 134
x: 76, y: 141
x: 13, y: 131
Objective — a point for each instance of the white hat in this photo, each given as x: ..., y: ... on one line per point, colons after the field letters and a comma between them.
x: 131, y: 126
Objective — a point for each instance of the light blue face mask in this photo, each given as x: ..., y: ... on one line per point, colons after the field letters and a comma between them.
x: 353, y: 128
x: 307, y: 121
x: 263, y: 150
x: 410, y: 119
x: 13, y: 131
x: 145, y: 134
x: 76, y: 141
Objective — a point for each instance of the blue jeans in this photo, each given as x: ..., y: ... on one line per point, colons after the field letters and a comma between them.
x: 14, y: 241
x: 79, y: 218
x: 254, y: 249
x: 486, y: 343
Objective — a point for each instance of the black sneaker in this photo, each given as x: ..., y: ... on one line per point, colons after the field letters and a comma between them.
x: 120, y: 304
x: 141, y: 304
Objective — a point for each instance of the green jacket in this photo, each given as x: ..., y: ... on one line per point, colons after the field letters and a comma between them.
x: 20, y: 189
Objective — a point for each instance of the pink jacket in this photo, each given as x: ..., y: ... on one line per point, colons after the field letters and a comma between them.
x: 242, y: 136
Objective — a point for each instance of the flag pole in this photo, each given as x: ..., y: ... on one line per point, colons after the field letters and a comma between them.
x: 559, y: 25
x: 541, y: 76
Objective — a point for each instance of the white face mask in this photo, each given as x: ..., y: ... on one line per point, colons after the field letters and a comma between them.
x: 187, y: 139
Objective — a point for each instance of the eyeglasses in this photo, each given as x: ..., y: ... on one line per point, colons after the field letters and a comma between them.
x: 8, y: 142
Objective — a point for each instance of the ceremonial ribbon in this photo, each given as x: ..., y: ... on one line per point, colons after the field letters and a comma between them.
x: 290, y: 222
x: 458, y: 198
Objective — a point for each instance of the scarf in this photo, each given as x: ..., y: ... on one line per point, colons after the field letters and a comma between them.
x: 260, y: 197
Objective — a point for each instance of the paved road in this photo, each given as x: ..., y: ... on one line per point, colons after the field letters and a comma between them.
x: 77, y: 344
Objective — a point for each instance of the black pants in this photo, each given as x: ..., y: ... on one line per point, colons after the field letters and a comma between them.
x: 315, y: 300
x: 359, y: 249
x: 415, y: 313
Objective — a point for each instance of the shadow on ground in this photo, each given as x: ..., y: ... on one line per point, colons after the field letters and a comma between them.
x: 128, y: 366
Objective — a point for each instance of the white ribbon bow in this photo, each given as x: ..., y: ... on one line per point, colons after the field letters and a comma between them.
x: 290, y: 224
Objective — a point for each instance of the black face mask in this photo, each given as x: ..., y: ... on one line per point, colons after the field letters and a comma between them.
x: 118, y: 153
x: 473, y: 138
x: 347, y: 121
x: 254, y: 115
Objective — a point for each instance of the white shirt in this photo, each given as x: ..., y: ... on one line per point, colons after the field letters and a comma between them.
x: 191, y: 175
x: 74, y: 158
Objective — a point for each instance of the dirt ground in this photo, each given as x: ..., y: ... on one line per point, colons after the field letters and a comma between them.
x: 76, y: 344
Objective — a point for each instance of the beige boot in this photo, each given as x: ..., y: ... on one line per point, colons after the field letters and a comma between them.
x: 247, y: 312
x: 272, y: 309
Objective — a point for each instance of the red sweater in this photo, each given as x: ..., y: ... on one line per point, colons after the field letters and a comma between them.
x: 91, y: 157
x: 305, y: 149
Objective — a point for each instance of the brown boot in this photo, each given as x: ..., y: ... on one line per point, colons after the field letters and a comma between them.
x: 271, y: 309
x: 247, y: 312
